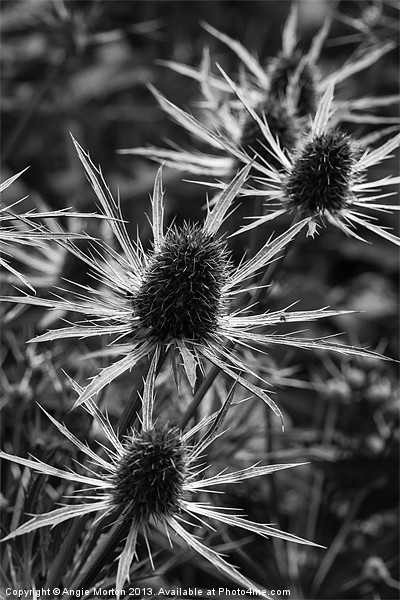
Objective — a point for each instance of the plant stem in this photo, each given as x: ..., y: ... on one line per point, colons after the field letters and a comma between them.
x: 103, y: 555
x: 202, y: 390
x: 66, y: 552
x: 262, y: 292
x: 134, y: 404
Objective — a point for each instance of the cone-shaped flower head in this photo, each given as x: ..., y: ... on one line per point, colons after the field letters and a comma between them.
x: 230, y: 132
x: 283, y: 94
x: 150, y: 480
x: 180, y: 296
x: 283, y: 71
x: 294, y: 76
x: 151, y: 473
x: 322, y: 174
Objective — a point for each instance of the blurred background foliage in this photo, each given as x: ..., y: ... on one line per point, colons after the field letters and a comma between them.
x: 83, y: 67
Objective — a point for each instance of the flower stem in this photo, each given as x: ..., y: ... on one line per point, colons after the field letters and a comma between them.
x: 67, y: 551
x: 262, y: 292
x: 102, y: 556
x: 134, y: 403
x: 202, y: 390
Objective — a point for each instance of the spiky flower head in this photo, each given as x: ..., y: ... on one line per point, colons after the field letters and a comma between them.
x: 150, y: 475
x: 322, y: 174
x: 150, y: 481
x: 291, y: 73
x: 179, y: 296
x: 324, y: 177
x: 230, y: 132
x: 294, y: 75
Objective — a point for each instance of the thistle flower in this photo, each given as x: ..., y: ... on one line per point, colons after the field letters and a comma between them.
x: 286, y: 68
x: 294, y: 76
x: 150, y: 480
x: 178, y: 297
x: 291, y: 75
x: 325, y: 177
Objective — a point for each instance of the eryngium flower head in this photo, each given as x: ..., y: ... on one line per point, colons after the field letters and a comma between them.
x: 151, y: 473
x: 150, y: 480
x: 230, y: 132
x: 180, y: 296
x: 325, y: 176
x: 322, y: 174
x: 294, y: 75
x: 283, y: 71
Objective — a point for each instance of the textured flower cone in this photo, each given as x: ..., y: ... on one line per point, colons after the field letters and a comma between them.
x: 322, y: 175
x: 180, y: 296
x: 291, y: 73
x: 151, y: 474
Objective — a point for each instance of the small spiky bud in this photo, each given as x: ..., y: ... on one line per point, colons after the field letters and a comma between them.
x: 150, y: 476
x: 281, y: 123
x: 282, y: 69
x: 322, y: 174
x: 181, y: 292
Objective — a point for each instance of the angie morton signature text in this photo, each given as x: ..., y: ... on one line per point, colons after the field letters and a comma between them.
x: 139, y: 592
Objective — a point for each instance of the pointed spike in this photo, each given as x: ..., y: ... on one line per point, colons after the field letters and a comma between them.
x: 158, y: 210
x: 217, y: 215
x: 289, y: 35
x: 324, y: 111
